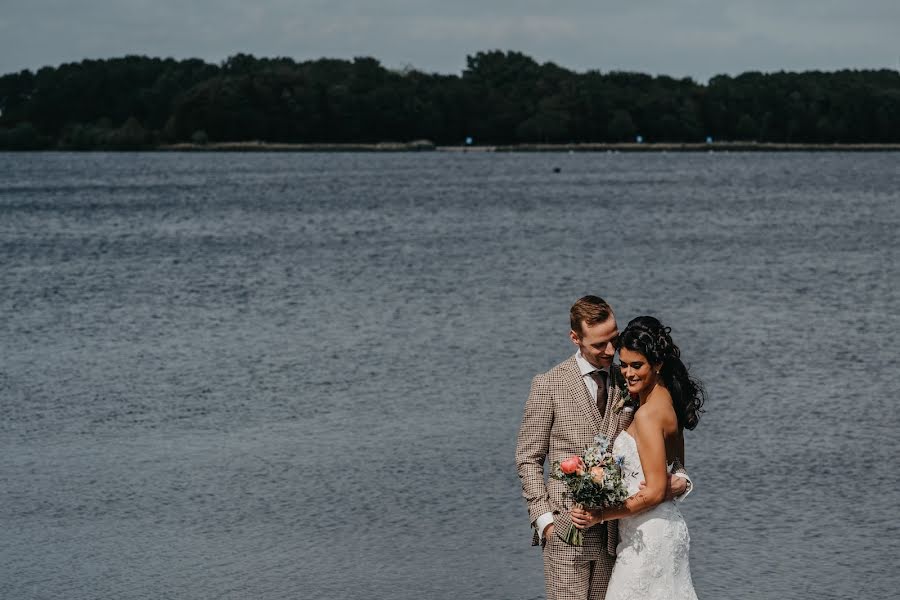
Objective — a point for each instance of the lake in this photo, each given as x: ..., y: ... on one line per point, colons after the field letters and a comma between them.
x: 300, y: 375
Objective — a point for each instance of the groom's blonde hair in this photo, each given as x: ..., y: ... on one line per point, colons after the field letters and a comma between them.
x: 590, y: 310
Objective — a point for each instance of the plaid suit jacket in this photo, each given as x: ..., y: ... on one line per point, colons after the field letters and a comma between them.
x: 561, y: 419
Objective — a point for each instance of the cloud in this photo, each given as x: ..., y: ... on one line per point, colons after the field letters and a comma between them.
x: 691, y: 37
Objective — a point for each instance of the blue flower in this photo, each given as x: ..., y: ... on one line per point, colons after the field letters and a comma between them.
x: 601, y: 440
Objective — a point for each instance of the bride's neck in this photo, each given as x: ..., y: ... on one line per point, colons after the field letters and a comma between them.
x: 657, y: 389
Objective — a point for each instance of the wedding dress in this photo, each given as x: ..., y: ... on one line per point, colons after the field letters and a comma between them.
x: 652, y: 555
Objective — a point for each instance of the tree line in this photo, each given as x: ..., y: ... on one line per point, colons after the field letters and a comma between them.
x: 500, y: 98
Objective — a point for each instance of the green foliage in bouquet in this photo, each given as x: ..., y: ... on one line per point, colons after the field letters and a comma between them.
x: 593, y: 480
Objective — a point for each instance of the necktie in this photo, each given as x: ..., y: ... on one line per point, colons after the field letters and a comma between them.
x: 600, y: 378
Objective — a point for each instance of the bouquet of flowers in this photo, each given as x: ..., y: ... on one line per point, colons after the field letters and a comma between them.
x: 594, y: 480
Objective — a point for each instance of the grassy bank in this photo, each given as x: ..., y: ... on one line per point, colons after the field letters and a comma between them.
x: 424, y: 145
x: 415, y: 146
x: 699, y: 147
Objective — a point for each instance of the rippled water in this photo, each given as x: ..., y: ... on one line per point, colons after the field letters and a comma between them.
x: 301, y: 375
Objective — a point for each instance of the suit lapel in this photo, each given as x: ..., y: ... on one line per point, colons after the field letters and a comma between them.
x: 614, y: 422
x: 574, y: 381
x: 612, y: 392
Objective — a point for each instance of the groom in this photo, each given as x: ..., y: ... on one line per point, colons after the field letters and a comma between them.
x: 566, y: 408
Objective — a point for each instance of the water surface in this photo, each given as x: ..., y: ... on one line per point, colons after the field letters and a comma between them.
x: 301, y: 375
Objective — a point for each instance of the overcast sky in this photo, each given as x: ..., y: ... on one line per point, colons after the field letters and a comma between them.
x: 696, y: 38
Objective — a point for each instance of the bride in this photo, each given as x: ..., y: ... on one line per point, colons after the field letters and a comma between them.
x: 652, y: 555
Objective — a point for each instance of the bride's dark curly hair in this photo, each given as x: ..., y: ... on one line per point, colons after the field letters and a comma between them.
x: 649, y: 337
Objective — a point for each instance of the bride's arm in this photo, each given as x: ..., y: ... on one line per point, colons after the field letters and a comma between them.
x: 652, y: 452
x: 651, y: 443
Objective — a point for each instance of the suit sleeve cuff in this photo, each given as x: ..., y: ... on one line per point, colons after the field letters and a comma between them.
x: 690, y: 486
x: 541, y: 523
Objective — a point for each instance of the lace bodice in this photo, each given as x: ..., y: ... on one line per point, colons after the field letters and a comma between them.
x: 652, y: 555
x: 626, y: 447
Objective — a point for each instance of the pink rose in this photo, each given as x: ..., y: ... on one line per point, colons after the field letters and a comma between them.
x: 573, y: 464
x: 597, y: 474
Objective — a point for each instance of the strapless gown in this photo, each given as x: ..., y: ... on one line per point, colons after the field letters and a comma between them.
x: 652, y: 555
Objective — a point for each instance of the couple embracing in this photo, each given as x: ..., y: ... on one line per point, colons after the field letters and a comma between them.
x: 637, y: 550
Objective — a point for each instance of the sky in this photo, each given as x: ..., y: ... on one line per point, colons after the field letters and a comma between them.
x: 680, y: 38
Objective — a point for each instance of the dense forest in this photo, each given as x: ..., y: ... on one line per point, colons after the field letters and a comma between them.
x: 500, y: 98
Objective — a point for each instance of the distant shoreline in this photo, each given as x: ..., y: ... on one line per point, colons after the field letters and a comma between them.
x: 426, y: 146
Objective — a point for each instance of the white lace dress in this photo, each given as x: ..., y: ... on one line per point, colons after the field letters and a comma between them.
x: 652, y: 555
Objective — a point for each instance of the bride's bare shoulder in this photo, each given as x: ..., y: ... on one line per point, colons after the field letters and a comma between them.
x: 657, y: 411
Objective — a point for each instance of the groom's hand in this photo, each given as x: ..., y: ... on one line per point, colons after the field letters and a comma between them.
x: 677, y: 487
